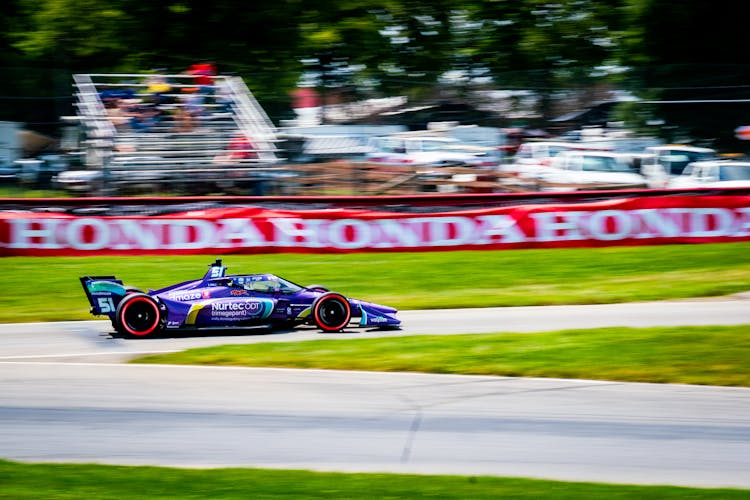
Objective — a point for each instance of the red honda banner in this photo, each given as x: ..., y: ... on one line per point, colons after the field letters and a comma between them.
x: 629, y: 221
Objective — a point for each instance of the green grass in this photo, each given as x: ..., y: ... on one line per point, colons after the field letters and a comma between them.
x: 71, y: 481
x: 717, y: 355
x: 11, y: 191
x: 408, y: 280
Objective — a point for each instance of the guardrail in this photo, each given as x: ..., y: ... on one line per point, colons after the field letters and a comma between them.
x: 409, y: 203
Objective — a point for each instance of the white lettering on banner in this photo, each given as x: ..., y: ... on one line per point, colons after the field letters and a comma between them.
x: 97, y: 234
x: 701, y: 219
x: 743, y: 223
x: 239, y: 233
x: 288, y: 230
x: 548, y: 225
x: 23, y: 233
x: 621, y: 221
x: 188, y: 234
x: 135, y: 235
x: 97, y: 227
x: 503, y: 227
x: 361, y: 234
x: 395, y: 233
x: 658, y: 223
x: 463, y: 229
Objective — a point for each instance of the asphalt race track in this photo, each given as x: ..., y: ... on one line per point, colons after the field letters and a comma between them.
x: 64, y: 396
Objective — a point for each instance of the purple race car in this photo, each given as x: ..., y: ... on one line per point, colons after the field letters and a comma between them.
x: 219, y: 300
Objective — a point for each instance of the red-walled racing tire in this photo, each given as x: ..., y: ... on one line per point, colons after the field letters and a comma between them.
x: 331, y: 312
x: 138, y: 315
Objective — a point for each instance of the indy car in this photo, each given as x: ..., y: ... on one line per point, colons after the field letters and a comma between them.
x: 219, y: 300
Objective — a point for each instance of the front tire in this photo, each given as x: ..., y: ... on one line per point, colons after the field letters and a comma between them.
x: 138, y: 315
x: 331, y: 312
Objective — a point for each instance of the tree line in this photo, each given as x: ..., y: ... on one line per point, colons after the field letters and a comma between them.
x: 661, y: 50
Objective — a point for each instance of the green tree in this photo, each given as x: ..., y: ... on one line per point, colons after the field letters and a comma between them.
x: 551, y: 47
x: 259, y: 41
x: 689, y: 56
x: 389, y: 48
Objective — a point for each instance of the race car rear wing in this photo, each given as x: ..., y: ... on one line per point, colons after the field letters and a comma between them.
x: 103, y: 293
x: 215, y: 270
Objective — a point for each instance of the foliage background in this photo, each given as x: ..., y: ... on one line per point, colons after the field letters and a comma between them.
x: 660, y: 50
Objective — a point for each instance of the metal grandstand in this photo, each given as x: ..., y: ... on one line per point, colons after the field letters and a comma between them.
x: 151, y: 129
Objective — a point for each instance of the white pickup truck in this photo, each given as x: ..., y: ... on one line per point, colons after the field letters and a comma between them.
x: 576, y: 170
x: 717, y: 173
x: 428, y: 151
x: 670, y: 161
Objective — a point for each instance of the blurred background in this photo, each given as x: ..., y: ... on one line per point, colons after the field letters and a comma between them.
x: 676, y: 71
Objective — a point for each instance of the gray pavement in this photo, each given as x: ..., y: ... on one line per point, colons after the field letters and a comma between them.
x: 388, y: 422
x: 93, y: 340
x: 64, y: 396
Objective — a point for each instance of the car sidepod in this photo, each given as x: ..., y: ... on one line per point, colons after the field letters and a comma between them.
x: 221, y: 311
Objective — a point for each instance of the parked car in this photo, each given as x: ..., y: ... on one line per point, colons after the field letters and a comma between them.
x: 574, y: 170
x: 716, y: 173
x: 533, y: 158
x: 671, y: 160
x: 79, y: 181
x: 9, y: 171
x: 428, y: 151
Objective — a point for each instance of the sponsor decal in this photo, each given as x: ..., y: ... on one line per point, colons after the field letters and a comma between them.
x: 222, y: 310
x: 238, y: 310
x: 236, y: 306
x: 238, y: 293
x: 631, y: 221
x: 182, y: 296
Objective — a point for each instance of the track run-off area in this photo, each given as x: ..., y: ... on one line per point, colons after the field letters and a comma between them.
x: 67, y: 396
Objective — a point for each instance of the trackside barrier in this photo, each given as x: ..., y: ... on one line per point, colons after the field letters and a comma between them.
x: 110, y: 226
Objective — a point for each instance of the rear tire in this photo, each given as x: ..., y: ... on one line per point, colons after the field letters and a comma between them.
x: 138, y: 315
x: 331, y: 312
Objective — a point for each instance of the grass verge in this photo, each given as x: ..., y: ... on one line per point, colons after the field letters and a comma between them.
x: 71, y: 481
x: 10, y: 191
x: 717, y: 355
x: 408, y: 280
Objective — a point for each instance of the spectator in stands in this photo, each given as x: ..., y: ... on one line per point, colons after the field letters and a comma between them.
x: 239, y: 148
x: 158, y: 88
x: 189, y: 110
x: 117, y: 94
x: 143, y: 116
x: 223, y: 97
x: 203, y: 73
x: 116, y: 112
